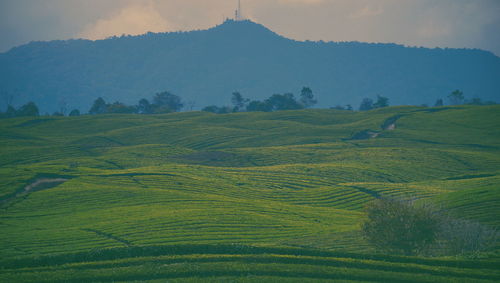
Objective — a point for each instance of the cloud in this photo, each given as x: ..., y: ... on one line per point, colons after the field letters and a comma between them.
x: 136, y: 18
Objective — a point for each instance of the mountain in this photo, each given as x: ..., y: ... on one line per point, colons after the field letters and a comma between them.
x: 206, y: 66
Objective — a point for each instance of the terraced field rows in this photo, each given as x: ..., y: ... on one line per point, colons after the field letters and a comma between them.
x: 155, y: 197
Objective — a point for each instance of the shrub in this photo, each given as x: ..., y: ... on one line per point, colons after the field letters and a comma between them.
x: 464, y: 237
x: 400, y: 226
x: 409, y: 228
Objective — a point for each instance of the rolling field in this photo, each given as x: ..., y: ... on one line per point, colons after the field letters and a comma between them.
x: 248, y: 197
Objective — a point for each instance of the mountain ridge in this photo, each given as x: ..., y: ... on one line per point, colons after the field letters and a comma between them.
x: 205, y: 66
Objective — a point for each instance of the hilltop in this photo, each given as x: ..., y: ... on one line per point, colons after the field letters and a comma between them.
x: 206, y: 66
x: 253, y: 197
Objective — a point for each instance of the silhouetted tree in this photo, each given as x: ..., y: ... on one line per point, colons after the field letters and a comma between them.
x: 165, y: 102
x: 348, y: 107
x: 381, y: 102
x: 211, y: 108
x: 10, y: 112
x: 63, y: 106
x: 8, y: 98
x: 144, y: 107
x: 476, y: 101
x: 28, y: 109
x: 74, y: 112
x: 283, y: 102
x: 439, y: 103
x: 118, y: 107
x: 217, y: 109
x: 366, y: 104
x: 456, y: 97
x: 238, y: 101
x: 307, y: 97
x: 190, y: 105
x: 99, y: 107
x: 257, y: 105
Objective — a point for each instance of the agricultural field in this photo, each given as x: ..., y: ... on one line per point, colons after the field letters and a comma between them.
x: 246, y: 197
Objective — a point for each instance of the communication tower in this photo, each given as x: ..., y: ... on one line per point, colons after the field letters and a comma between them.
x: 237, y: 13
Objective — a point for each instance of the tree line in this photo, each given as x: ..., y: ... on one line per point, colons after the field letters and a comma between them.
x: 167, y: 102
x: 275, y: 102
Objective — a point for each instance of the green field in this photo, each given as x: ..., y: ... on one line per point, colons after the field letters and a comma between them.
x: 250, y: 197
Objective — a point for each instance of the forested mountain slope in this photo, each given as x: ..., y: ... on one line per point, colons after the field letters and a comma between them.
x: 206, y: 66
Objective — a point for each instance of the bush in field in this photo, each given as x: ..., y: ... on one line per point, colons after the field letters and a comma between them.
x: 411, y: 228
x: 400, y: 226
x: 464, y: 237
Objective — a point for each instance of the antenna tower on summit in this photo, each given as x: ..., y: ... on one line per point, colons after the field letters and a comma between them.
x: 237, y: 13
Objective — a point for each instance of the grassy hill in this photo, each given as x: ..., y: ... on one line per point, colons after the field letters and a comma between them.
x: 248, y: 196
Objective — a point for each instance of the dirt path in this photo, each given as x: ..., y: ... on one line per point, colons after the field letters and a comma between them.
x: 388, y: 125
x: 37, y: 185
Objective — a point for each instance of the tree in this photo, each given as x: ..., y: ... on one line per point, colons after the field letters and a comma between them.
x: 8, y: 97
x: 409, y: 228
x: 118, y: 107
x: 74, y: 112
x: 381, y: 102
x: 439, y: 103
x: 11, y: 112
x: 217, y: 109
x: 190, y: 105
x: 99, y: 107
x: 366, y: 104
x: 307, y: 98
x: 456, y: 97
x: 238, y: 101
x: 401, y: 226
x: 257, y: 105
x: 211, y: 108
x: 144, y: 107
x: 348, y: 107
x: 476, y: 101
x: 165, y: 102
x: 285, y: 101
x: 63, y: 106
x: 28, y: 109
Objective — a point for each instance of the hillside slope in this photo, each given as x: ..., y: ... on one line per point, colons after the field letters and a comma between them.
x: 196, y: 195
x: 207, y: 66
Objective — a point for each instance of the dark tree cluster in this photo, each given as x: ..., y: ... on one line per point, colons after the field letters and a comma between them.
x: 28, y: 109
x: 163, y: 102
x: 369, y: 104
x: 457, y: 98
x: 275, y: 102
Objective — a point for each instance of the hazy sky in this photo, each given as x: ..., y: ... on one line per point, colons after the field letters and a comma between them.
x: 430, y: 23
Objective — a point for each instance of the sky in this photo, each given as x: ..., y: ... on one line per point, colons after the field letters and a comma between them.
x: 428, y: 23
